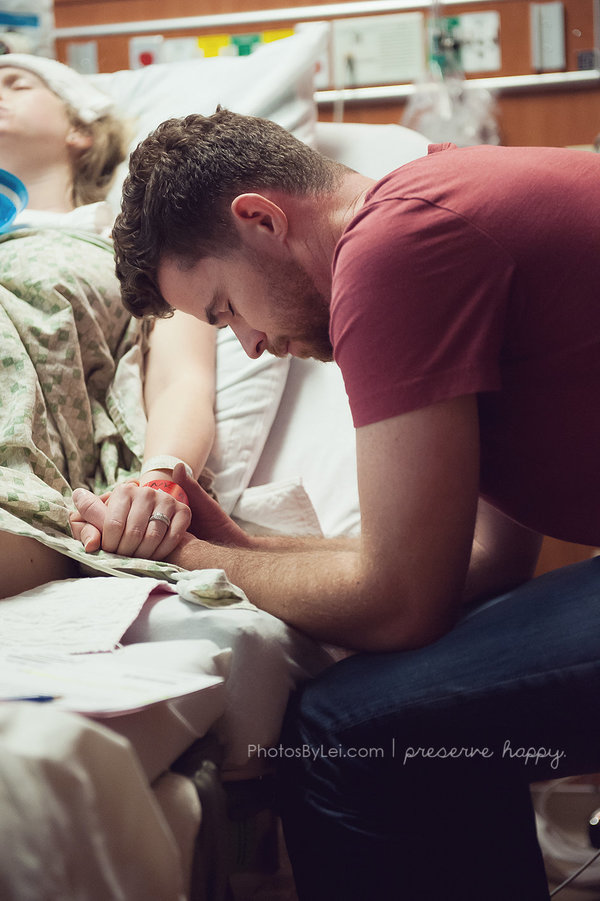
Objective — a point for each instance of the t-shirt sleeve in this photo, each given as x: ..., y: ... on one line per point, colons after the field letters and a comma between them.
x: 418, y: 306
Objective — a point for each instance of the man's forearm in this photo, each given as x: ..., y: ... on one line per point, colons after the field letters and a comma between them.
x: 294, y: 544
x: 503, y: 556
x: 316, y: 585
x: 489, y: 577
x: 295, y: 579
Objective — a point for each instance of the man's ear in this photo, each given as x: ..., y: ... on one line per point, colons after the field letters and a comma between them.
x: 257, y: 217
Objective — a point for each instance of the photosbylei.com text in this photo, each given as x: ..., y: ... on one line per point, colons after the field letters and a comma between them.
x: 528, y: 756
x: 312, y: 753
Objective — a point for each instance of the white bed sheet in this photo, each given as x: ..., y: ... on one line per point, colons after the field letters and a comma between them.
x: 164, y: 669
x: 268, y: 660
x: 78, y: 818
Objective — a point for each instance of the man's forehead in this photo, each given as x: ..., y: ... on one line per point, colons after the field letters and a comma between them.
x: 172, y: 277
x: 185, y: 285
x: 174, y: 267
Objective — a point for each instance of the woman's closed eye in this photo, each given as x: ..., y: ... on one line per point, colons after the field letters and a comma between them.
x: 18, y: 83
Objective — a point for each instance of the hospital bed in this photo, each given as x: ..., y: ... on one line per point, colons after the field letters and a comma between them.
x: 145, y: 784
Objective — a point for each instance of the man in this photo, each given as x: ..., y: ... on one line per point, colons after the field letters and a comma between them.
x: 458, y: 297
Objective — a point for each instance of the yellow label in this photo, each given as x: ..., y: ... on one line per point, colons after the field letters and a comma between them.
x: 276, y: 34
x: 210, y: 44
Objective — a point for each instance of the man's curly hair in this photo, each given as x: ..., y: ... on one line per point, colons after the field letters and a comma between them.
x: 182, y: 180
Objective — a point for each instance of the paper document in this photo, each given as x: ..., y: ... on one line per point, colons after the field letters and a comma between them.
x: 99, y: 684
x: 74, y: 615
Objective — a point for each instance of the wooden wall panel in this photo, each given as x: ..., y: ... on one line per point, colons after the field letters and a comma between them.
x: 556, y: 553
x: 555, y: 118
x: 514, y: 20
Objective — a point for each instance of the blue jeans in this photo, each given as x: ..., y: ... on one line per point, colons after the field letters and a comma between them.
x: 406, y: 775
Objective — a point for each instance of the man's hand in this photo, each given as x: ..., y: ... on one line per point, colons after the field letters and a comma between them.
x: 123, y: 522
x: 209, y: 520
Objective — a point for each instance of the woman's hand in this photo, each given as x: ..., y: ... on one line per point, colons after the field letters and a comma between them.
x: 123, y: 522
x: 131, y: 521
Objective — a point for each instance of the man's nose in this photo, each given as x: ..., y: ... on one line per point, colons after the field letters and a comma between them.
x: 253, y: 342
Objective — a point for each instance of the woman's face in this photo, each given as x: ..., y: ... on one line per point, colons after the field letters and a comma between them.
x: 33, y: 120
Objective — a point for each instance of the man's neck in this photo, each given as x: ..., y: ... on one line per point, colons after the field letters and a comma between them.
x: 351, y: 197
x: 321, y: 222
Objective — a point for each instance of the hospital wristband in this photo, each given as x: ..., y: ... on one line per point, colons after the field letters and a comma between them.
x: 165, y: 461
x: 171, y: 488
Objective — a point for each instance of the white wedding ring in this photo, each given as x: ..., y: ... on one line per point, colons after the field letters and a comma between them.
x: 161, y: 517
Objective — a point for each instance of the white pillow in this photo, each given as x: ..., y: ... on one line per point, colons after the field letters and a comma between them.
x: 313, y: 439
x: 275, y: 82
x: 248, y: 395
x: 372, y: 150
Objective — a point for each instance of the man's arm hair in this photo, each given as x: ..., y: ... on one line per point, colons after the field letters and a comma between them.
x: 504, y: 555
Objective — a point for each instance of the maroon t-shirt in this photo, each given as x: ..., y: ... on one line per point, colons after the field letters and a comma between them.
x: 477, y: 270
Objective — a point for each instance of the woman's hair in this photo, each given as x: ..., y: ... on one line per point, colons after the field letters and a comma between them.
x: 95, y: 168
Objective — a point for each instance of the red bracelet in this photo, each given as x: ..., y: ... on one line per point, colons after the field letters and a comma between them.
x: 171, y: 488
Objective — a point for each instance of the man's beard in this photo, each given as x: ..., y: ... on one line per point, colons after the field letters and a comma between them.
x: 301, y: 310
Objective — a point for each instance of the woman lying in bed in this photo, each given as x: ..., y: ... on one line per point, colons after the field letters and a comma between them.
x: 59, y: 136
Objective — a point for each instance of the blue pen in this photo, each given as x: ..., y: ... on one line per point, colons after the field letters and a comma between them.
x: 39, y: 699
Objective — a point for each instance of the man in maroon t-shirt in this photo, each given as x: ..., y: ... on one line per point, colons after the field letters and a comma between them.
x: 458, y: 297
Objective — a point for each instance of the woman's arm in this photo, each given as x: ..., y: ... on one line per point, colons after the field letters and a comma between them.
x: 179, y: 392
